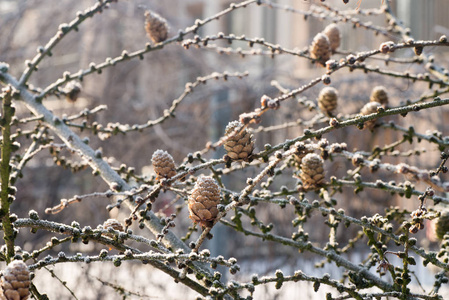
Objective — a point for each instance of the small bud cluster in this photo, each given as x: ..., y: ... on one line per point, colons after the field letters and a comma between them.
x: 338, y: 147
x: 72, y: 91
x: 357, y: 159
x: 169, y: 223
x: 267, y: 102
x: 252, y: 117
x: 417, y: 219
x: 301, y: 151
x: 387, y: 47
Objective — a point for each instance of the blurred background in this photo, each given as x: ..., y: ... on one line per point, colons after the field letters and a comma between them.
x: 137, y: 91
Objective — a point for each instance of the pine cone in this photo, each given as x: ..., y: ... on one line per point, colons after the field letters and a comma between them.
x: 72, y: 90
x: 114, y: 224
x: 239, y: 145
x: 442, y: 225
x: 15, y: 281
x: 156, y: 27
x: 370, y: 108
x: 320, y: 50
x: 312, y: 171
x: 163, y: 164
x: 203, y: 201
x: 379, y: 94
x: 333, y: 34
x: 327, y: 100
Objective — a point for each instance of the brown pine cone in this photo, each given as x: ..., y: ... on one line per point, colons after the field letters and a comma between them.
x: 333, y: 34
x: 379, y: 94
x: 442, y: 225
x: 15, y: 281
x: 327, y: 100
x: 370, y: 108
x: 238, y: 145
x: 114, y: 224
x: 163, y: 164
x: 312, y: 171
x: 320, y: 50
x: 203, y: 201
x: 156, y: 27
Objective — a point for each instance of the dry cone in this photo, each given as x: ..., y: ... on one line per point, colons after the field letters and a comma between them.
x: 239, y: 144
x: 312, y: 171
x: 370, y: 108
x: 327, y: 100
x: 156, y: 27
x: 320, y: 50
x: 379, y: 94
x: 163, y: 164
x: 15, y: 281
x: 333, y: 34
x: 203, y: 201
